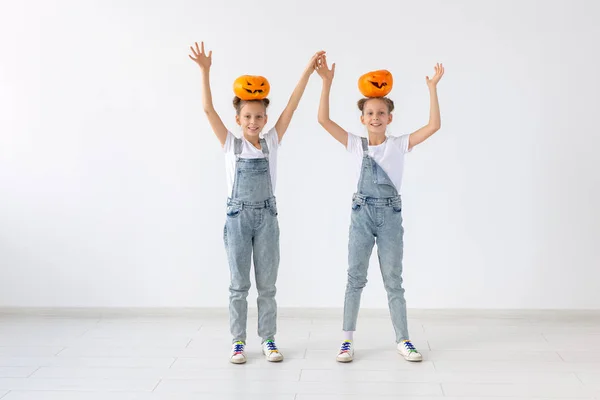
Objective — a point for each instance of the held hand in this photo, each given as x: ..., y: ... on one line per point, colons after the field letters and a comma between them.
x: 323, y: 70
x: 311, y: 64
x: 439, y: 72
x: 200, y: 57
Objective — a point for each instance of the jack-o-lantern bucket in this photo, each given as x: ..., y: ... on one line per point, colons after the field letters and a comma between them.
x: 376, y: 83
x: 250, y: 87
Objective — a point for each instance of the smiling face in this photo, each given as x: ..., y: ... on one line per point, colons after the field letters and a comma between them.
x: 252, y: 118
x: 376, y: 116
x: 248, y: 87
x: 376, y: 83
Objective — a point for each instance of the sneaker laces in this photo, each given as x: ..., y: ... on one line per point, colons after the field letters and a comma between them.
x: 345, y: 347
x: 271, y: 346
x: 238, y: 348
x: 409, y: 346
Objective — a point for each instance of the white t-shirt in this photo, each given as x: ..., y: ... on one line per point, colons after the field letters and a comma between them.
x: 249, y: 151
x: 389, y: 155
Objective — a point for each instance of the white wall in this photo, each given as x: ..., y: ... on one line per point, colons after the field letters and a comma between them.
x: 112, y: 184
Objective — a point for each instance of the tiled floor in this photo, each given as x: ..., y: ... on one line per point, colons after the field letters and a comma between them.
x: 475, y: 355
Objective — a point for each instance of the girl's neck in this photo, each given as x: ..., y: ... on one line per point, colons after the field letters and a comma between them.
x: 375, y: 139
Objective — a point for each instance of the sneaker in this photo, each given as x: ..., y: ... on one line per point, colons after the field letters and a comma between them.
x: 346, y: 353
x: 269, y: 349
x: 408, y: 351
x: 238, y: 355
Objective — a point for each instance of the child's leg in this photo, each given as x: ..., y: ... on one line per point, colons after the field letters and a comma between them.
x: 238, y: 245
x: 266, y: 267
x: 360, y: 247
x: 390, y: 251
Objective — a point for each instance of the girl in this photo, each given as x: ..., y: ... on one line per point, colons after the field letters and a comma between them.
x: 251, y: 228
x: 377, y: 206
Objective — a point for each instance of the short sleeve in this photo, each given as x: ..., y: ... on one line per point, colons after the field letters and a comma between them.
x: 402, y: 142
x: 354, y: 144
x: 229, y: 140
x: 272, y: 138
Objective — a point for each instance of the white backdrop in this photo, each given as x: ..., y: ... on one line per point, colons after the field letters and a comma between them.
x: 112, y: 184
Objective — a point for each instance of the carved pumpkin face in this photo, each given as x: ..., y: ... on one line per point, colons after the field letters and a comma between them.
x: 249, y: 87
x: 376, y: 83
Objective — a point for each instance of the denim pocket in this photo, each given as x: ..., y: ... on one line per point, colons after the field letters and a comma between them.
x: 233, y: 211
x: 273, y: 210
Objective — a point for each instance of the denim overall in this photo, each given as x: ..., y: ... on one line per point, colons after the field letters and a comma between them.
x: 376, y: 218
x: 252, y: 234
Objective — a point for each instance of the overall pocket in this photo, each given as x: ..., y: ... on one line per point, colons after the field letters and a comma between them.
x: 273, y: 208
x: 233, y: 210
x: 356, y: 205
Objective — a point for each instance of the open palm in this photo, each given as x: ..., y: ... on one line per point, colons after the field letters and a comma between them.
x: 200, y: 57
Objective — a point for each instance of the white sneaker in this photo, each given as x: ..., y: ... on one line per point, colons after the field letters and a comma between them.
x: 238, y: 355
x: 269, y: 349
x: 346, y: 353
x: 408, y: 351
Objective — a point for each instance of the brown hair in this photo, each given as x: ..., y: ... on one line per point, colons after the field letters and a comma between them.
x: 239, y: 103
x: 388, y: 102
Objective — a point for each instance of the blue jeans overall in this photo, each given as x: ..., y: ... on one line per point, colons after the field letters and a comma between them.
x: 252, y: 232
x: 376, y: 218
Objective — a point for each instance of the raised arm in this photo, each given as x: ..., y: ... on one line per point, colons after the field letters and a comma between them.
x: 204, y: 62
x: 338, y: 133
x: 435, y: 123
x: 286, y: 116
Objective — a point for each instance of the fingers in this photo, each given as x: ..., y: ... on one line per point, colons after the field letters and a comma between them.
x: 320, y: 65
x: 324, y: 63
x: 198, y: 50
x: 439, y: 72
x: 317, y: 64
x: 439, y: 69
x: 320, y: 62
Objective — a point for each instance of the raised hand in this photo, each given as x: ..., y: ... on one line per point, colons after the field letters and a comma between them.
x: 313, y: 60
x: 322, y: 68
x: 439, y: 72
x: 200, y: 57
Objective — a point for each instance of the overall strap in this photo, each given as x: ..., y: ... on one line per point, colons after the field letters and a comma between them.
x: 264, y: 147
x: 237, y: 146
x: 365, y: 145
